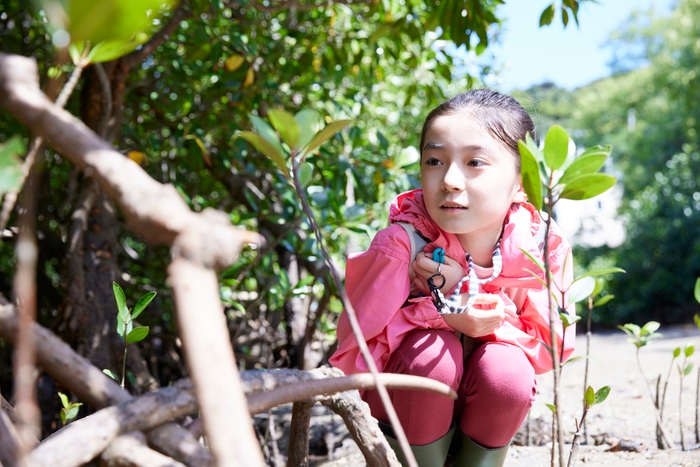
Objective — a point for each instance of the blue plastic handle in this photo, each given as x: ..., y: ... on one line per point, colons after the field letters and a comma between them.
x: 439, y: 255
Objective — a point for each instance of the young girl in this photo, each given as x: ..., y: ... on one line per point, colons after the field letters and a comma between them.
x: 473, y: 206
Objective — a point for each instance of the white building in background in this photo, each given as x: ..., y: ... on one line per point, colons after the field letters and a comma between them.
x: 592, y: 222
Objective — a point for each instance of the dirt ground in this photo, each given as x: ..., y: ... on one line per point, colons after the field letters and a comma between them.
x: 626, y: 416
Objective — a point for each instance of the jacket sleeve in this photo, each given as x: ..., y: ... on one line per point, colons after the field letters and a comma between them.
x: 527, y: 323
x: 377, y: 284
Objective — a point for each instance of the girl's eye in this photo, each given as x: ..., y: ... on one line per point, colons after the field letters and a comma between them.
x: 432, y: 161
x: 475, y: 163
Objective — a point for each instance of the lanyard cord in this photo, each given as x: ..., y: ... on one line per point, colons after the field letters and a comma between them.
x: 451, y: 305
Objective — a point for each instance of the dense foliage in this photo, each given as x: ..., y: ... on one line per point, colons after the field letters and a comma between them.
x: 648, y: 111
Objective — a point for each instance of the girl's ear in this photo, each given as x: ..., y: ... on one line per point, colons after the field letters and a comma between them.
x: 520, y: 195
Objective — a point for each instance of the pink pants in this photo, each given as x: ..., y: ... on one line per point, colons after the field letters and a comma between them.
x: 494, y: 393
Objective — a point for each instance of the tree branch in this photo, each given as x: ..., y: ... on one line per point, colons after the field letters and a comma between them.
x: 130, y: 450
x: 155, y: 211
x: 95, y: 388
x: 84, y: 439
x: 303, y: 390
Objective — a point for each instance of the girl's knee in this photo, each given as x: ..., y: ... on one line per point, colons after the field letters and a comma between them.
x: 503, y: 369
x: 431, y: 353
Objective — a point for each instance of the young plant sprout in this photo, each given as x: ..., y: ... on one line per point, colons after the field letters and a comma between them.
x: 125, y: 324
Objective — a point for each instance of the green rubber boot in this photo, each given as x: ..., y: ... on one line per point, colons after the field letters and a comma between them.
x: 427, y: 455
x: 466, y: 453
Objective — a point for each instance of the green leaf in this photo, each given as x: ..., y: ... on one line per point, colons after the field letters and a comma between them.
x: 689, y: 351
x: 599, y: 283
x: 589, y: 396
x: 632, y: 330
x: 64, y: 399
x: 602, y: 394
x: 551, y: 407
x: 267, y: 149
x: 603, y: 300
x: 142, y: 304
x: 308, y: 125
x: 137, y: 334
x: 111, y: 374
x: 583, y: 165
x: 121, y: 327
x: 564, y: 16
x: 587, y: 186
x: 688, y: 369
x: 696, y: 318
x: 109, y: 20
x: 597, y: 149
x: 323, y: 135
x: 600, y: 272
x: 122, y: 310
x: 676, y: 352
x: 697, y: 291
x: 286, y: 125
x: 305, y: 171
x: 110, y: 50
x: 569, y: 320
x: 266, y: 131
x: 547, y: 15
x: 650, y: 327
x: 581, y: 289
x: 538, y: 262
x: 72, y: 412
x: 11, y: 165
x: 556, y: 147
x: 530, y: 174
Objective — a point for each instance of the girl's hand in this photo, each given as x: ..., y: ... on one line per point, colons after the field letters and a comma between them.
x: 477, y: 322
x: 425, y: 267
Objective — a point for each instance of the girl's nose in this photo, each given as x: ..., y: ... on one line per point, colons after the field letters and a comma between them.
x: 454, y: 179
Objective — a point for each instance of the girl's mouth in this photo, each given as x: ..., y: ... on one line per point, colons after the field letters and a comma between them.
x: 452, y: 206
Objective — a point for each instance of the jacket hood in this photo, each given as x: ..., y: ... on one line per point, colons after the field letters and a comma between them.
x: 523, y: 230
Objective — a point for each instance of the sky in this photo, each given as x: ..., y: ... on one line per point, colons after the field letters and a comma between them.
x: 569, y: 57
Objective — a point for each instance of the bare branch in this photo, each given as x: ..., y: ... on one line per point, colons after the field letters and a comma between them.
x: 131, y: 450
x: 155, y: 211
x: 95, y: 388
x: 298, y: 452
x: 84, y: 439
x: 306, y: 389
x: 210, y: 360
x: 363, y: 428
x: 9, y: 441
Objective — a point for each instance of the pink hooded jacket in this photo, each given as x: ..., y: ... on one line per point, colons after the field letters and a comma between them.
x: 377, y: 282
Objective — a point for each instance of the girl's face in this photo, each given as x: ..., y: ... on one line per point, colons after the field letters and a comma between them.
x: 469, y: 180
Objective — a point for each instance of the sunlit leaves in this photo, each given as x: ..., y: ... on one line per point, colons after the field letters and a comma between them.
x: 547, y: 15
x: 583, y: 165
x: 581, y: 289
x: 556, y: 147
x: 286, y: 125
x: 266, y: 148
x: 113, y: 28
x: 640, y: 336
x: 234, y: 62
x: 588, y: 186
x: 69, y: 409
x: 697, y: 290
x: 325, y: 134
x: 11, y: 165
x: 530, y: 173
x: 308, y: 121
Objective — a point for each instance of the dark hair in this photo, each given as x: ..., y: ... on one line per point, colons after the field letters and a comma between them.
x: 500, y: 114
